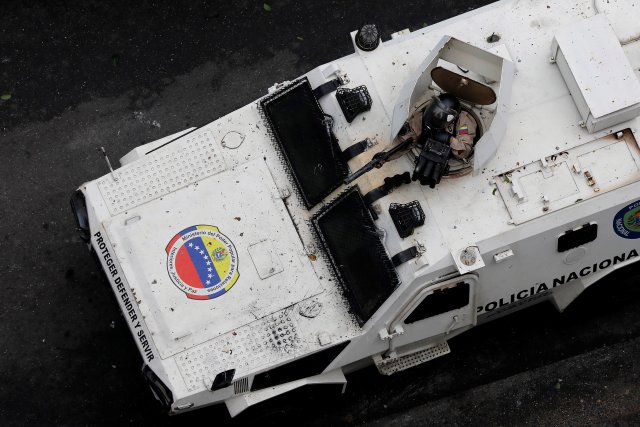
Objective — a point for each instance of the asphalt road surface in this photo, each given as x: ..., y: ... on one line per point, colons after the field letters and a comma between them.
x: 77, y: 75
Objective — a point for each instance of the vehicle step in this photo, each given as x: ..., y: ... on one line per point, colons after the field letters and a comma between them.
x: 392, y: 365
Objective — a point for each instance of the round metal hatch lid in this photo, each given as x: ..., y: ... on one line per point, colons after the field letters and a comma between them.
x: 623, y: 16
x: 463, y: 87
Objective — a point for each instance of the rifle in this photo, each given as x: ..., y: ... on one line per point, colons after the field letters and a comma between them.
x: 378, y: 160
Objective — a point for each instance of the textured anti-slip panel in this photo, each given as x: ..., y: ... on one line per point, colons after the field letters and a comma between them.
x: 391, y: 366
x: 176, y: 165
x: 271, y: 339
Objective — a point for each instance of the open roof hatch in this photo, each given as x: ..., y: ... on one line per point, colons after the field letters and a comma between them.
x: 462, y: 87
x: 497, y: 72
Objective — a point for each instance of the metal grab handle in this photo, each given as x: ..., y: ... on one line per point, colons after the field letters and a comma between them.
x: 456, y: 320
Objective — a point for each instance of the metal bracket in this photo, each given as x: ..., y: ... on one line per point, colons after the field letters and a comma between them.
x: 385, y: 335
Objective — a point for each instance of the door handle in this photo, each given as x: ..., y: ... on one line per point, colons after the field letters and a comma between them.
x: 454, y: 322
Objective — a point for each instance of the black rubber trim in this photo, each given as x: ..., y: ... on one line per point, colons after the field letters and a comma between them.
x: 222, y: 380
x: 79, y: 208
x: 302, y: 368
x: 160, y: 390
x: 390, y: 184
x: 375, y: 194
x: 355, y: 150
x: 404, y: 256
x: 326, y: 88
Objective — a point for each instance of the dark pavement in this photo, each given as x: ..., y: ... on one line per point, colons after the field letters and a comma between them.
x: 117, y: 74
x: 600, y: 387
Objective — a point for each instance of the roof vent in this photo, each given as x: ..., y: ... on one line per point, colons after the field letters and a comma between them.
x: 368, y: 37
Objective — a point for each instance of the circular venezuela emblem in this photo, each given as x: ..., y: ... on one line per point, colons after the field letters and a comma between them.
x: 627, y: 221
x: 202, y: 262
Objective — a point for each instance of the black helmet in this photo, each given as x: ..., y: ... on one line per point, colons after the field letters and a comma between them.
x: 442, y: 110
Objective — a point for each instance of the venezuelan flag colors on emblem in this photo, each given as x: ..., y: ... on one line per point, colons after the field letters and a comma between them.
x: 627, y: 221
x: 202, y: 262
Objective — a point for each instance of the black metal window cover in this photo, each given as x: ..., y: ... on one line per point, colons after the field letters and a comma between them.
x: 308, y: 146
x: 574, y: 238
x: 441, y: 301
x: 359, y: 259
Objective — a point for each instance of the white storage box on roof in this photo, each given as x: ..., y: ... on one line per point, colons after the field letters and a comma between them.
x: 597, y: 73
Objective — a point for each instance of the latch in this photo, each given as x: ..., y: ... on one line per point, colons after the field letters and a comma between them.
x: 517, y: 190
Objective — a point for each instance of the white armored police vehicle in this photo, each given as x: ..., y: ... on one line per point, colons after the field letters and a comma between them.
x: 380, y: 204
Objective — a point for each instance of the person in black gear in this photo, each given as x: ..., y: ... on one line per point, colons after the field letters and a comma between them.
x: 442, y: 111
x: 437, y: 120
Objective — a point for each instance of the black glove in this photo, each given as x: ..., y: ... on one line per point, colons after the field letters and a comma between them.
x: 432, y: 163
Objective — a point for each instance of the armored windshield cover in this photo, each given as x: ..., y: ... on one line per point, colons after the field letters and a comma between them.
x: 352, y: 242
x: 303, y: 134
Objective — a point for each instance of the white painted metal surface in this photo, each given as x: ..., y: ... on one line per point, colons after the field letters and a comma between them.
x: 623, y: 15
x: 276, y: 300
x: 250, y: 215
x: 185, y: 162
x: 597, y: 72
x: 570, y: 177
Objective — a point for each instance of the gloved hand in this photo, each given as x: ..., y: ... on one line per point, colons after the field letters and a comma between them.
x: 432, y: 163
